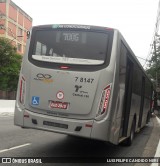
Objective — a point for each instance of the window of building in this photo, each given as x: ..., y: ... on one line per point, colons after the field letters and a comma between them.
x: 2, y: 1
x: 20, y: 32
x: 19, y: 47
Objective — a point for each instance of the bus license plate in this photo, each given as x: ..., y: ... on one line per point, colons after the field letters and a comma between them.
x: 59, y: 105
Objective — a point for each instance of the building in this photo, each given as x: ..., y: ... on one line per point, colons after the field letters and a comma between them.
x: 14, y: 24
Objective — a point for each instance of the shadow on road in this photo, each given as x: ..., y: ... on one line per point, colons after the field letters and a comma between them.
x: 69, y: 146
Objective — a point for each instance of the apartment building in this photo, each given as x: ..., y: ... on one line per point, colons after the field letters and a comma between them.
x: 14, y: 24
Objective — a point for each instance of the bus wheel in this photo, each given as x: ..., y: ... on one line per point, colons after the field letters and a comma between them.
x: 132, y: 132
x: 148, y: 118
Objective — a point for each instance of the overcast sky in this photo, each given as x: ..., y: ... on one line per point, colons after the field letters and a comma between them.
x: 134, y: 18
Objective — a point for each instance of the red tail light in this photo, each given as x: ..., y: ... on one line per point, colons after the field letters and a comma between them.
x: 104, y: 100
x: 22, y: 90
x: 88, y: 125
x: 64, y: 67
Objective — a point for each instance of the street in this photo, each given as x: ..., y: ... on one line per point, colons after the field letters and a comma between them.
x: 86, y: 68
x: 18, y: 142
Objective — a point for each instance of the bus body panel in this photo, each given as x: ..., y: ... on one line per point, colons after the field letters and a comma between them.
x: 57, y: 124
x: 18, y: 115
x: 100, y: 130
x: 65, y: 87
x: 48, y: 92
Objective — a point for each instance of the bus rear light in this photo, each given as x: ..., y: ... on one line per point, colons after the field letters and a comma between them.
x: 109, y: 28
x: 88, y: 125
x: 26, y: 116
x: 64, y: 67
x: 104, y: 100
x: 22, y: 90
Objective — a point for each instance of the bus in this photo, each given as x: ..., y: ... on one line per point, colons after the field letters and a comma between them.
x: 83, y: 81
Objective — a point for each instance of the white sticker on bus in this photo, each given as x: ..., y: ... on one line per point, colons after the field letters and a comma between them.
x: 67, y: 60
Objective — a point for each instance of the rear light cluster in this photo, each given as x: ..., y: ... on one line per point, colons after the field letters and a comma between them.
x: 22, y: 90
x: 104, y: 100
x: 64, y: 67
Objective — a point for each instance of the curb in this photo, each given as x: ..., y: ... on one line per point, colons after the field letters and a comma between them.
x: 151, y: 146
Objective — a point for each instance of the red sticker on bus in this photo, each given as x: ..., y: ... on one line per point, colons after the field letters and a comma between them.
x: 59, y: 105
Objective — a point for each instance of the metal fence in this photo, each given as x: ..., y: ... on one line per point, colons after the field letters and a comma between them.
x: 9, y: 95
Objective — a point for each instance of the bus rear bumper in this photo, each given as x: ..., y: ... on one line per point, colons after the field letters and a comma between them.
x: 74, y: 127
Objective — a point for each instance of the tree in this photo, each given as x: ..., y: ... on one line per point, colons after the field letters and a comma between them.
x: 10, y: 64
x: 154, y: 63
x: 154, y: 68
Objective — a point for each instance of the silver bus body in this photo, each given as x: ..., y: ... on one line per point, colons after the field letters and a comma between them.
x: 83, y: 81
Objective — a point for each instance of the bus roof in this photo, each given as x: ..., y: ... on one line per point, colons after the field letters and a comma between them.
x: 73, y: 26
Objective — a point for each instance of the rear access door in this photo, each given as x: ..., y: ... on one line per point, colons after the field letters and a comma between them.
x: 62, y: 93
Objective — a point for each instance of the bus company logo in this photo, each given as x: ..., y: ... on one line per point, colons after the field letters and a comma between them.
x: 77, y: 87
x: 60, y: 95
x: 79, y: 92
x: 46, y: 78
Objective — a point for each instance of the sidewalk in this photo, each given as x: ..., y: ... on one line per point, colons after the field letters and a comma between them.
x: 151, y: 146
x: 157, y: 113
x: 7, y: 105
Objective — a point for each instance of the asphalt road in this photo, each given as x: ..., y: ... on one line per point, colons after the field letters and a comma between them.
x: 18, y: 142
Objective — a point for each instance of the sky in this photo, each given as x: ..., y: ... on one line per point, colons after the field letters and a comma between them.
x: 135, y: 19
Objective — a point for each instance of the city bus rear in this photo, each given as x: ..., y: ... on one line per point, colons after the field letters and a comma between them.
x: 66, y: 79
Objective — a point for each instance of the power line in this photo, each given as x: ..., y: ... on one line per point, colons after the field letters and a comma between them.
x: 141, y: 58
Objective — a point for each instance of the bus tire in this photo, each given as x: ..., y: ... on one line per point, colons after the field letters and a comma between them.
x: 148, y: 118
x: 132, y: 133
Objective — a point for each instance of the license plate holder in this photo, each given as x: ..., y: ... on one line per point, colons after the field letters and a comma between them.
x: 47, y: 123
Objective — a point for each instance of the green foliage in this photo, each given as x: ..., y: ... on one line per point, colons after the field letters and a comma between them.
x: 154, y: 65
x: 10, y: 64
